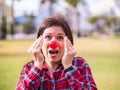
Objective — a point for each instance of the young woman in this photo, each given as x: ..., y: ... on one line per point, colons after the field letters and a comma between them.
x: 54, y: 65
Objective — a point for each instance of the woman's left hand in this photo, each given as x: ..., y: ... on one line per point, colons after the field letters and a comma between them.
x: 68, y: 54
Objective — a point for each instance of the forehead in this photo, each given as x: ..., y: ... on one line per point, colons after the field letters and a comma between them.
x: 54, y: 30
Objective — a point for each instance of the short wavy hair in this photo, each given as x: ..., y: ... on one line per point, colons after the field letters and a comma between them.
x: 56, y: 20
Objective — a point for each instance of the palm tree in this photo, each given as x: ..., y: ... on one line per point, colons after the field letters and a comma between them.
x: 74, y: 4
x: 50, y: 5
x: 12, y: 25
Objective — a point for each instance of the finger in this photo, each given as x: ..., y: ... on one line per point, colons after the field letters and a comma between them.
x: 36, y: 53
x: 39, y: 42
x: 65, y: 43
x: 69, y: 44
x: 70, y: 49
x: 36, y: 42
x: 35, y: 45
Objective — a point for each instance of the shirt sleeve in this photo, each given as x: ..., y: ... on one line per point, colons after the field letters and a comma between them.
x: 29, y: 77
x: 80, y: 77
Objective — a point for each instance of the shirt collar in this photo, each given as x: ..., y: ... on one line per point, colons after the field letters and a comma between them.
x: 59, y: 67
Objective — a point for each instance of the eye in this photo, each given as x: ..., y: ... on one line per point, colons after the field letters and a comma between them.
x: 60, y: 38
x: 48, y: 37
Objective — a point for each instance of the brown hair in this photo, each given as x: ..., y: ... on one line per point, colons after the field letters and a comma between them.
x: 56, y: 20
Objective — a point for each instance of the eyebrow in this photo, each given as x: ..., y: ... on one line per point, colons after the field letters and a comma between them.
x: 57, y: 33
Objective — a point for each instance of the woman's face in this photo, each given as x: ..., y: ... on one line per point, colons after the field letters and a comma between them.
x: 54, y: 33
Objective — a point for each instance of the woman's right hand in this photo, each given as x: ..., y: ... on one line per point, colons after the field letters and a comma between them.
x: 35, y: 51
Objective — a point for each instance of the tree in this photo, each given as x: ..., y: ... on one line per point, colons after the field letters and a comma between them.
x: 12, y: 25
x: 4, y: 28
x: 93, y: 19
x: 29, y: 25
x: 50, y: 6
x: 74, y: 4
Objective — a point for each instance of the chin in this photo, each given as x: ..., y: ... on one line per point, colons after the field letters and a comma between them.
x: 55, y: 60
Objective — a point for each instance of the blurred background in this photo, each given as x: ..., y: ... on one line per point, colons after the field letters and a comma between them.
x: 95, y: 25
x: 86, y: 17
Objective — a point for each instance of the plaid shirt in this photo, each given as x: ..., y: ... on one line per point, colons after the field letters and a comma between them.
x: 77, y: 77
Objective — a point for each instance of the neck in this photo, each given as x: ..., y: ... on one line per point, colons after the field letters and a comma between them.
x: 51, y: 65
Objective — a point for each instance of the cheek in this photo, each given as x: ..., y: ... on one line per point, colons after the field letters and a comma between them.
x: 62, y: 50
x: 44, y: 46
x: 61, y: 44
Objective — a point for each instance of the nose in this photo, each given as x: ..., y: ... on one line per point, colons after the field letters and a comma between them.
x: 53, y: 44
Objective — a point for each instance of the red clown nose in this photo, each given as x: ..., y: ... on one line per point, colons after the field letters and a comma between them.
x: 53, y: 44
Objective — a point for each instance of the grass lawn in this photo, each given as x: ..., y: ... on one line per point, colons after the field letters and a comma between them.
x: 103, y: 56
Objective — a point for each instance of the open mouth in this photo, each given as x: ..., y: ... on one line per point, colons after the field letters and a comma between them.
x: 53, y: 51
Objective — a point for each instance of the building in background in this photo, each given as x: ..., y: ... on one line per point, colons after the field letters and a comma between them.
x: 6, y: 11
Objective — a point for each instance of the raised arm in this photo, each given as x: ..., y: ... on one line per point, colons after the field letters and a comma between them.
x: 80, y: 76
x: 29, y: 78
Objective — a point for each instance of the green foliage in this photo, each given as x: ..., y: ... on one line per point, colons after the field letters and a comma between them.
x: 52, y: 1
x: 93, y: 19
x: 112, y: 20
x: 73, y: 2
x: 109, y: 20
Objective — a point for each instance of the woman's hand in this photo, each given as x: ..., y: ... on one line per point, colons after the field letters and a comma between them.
x: 68, y: 54
x: 35, y: 51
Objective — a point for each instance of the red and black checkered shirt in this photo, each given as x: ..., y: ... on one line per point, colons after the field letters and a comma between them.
x: 77, y: 77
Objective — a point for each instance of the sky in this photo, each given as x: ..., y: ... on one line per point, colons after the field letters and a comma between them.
x: 100, y: 5
x: 31, y: 6
x: 24, y: 6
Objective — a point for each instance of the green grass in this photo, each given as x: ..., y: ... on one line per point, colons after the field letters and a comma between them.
x: 9, y: 70
x: 103, y: 56
x: 13, y: 55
